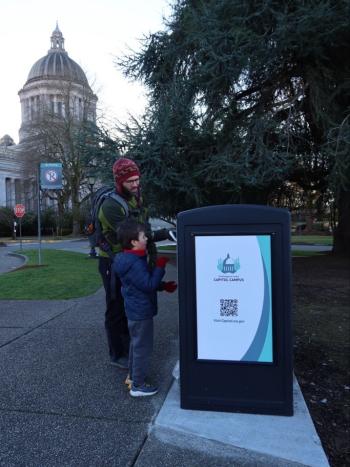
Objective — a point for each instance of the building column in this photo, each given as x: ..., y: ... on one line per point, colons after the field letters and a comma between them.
x: 2, y: 190
x: 22, y: 191
x: 13, y: 192
x: 10, y: 191
x: 18, y: 191
x: 75, y: 107
x: 23, y: 110
x: 27, y: 110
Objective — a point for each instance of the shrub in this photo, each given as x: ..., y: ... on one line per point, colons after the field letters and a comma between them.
x: 49, y: 221
x: 29, y: 224
x: 6, y: 221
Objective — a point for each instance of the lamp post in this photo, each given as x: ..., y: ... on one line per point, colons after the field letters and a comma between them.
x: 91, y: 179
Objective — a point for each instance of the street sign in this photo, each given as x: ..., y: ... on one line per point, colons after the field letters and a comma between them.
x: 19, y: 210
x: 51, y: 176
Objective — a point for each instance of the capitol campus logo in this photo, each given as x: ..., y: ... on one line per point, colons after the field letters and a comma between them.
x: 228, y: 265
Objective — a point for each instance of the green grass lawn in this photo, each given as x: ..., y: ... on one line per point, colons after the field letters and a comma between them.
x: 313, y: 239
x: 294, y: 252
x: 326, y: 240
x: 63, y: 275
x: 308, y: 253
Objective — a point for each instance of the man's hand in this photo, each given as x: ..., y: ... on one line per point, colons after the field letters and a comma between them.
x: 163, y: 234
x: 161, y: 262
x: 170, y: 286
x: 172, y: 235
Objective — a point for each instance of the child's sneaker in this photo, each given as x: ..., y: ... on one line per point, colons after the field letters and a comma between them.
x: 143, y: 390
x: 128, y: 382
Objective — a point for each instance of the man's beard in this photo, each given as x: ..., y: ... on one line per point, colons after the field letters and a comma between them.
x: 128, y: 193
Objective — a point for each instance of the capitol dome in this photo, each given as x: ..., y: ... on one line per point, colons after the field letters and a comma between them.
x: 56, y: 87
x: 57, y: 64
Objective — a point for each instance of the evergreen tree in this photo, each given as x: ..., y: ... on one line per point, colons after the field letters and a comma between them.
x: 245, y: 96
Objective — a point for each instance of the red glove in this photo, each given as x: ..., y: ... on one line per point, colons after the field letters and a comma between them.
x: 170, y: 286
x: 161, y: 262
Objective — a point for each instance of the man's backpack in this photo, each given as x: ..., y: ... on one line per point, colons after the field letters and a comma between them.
x: 94, y: 227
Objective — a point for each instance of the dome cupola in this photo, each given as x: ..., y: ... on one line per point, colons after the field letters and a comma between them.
x: 57, y: 40
x: 57, y: 64
x: 6, y: 141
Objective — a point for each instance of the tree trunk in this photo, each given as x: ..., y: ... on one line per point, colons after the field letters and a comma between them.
x: 251, y: 195
x: 341, y: 244
x: 60, y: 207
x: 76, y: 213
x: 308, y: 221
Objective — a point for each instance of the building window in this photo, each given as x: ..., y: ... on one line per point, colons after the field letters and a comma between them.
x: 52, y: 105
x: 26, y: 111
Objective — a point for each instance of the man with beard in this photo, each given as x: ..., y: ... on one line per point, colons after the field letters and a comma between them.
x: 111, y: 213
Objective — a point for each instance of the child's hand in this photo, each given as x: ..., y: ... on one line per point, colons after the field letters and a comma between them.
x: 161, y: 262
x: 170, y: 286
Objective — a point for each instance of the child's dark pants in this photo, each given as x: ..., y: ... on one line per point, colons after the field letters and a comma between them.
x: 141, y: 346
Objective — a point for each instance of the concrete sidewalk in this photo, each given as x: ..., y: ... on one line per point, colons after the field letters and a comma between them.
x: 61, y: 403
x: 9, y: 262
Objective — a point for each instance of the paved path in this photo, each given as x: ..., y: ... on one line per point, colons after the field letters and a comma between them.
x: 61, y: 403
x: 9, y: 262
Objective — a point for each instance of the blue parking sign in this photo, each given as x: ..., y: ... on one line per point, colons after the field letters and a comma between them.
x: 51, y: 176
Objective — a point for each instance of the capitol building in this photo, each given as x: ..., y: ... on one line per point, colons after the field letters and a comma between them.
x: 56, y: 87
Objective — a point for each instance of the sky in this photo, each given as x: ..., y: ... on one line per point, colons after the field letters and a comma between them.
x: 95, y: 33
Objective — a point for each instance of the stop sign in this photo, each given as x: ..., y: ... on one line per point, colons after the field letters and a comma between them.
x: 19, y: 210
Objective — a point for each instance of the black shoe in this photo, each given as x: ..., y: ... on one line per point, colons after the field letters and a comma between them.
x: 121, y: 362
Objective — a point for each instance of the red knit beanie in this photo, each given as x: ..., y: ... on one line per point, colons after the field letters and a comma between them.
x: 123, y: 169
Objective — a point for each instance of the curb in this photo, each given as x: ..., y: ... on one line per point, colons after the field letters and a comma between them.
x: 18, y: 255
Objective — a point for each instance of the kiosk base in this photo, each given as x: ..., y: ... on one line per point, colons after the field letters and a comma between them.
x: 243, y: 439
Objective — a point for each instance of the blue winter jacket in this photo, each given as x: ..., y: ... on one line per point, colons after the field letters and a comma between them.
x: 139, y: 285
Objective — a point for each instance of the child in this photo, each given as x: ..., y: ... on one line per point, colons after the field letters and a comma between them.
x: 139, y: 290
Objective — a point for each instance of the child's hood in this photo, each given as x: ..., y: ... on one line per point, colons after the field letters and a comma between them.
x: 124, y: 261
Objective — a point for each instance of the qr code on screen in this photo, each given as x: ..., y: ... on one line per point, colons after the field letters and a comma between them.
x: 228, y: 307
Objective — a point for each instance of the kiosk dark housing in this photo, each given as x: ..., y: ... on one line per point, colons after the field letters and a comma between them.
x: 235, y: 309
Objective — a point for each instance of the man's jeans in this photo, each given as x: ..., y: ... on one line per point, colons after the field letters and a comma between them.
x: 115, y: 320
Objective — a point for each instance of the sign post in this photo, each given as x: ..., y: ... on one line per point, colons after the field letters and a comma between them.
x: 19, y: 211
x: 235, y: 309
x: 49, y: 178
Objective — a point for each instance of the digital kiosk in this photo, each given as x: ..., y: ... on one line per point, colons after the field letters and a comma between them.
x: 235, y: 309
